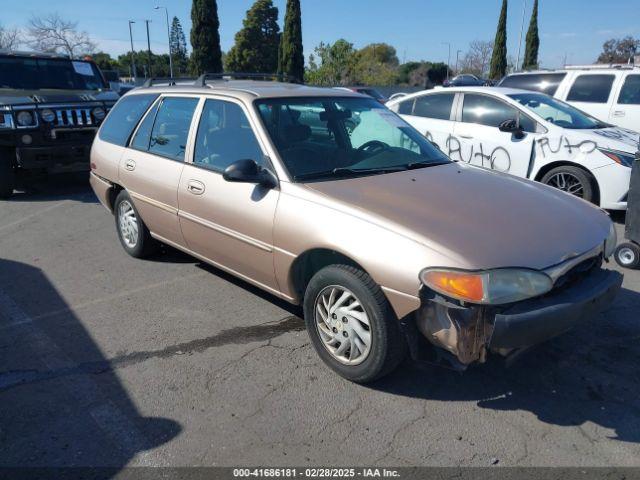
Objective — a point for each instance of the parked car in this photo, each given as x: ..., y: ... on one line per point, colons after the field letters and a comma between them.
x: 387, y: 243
x: 464, y: 80
x: 609, y: 93
x: 397, y: 95
x: 530, y: 135
x: 50, y: 107
x: 370, y: 92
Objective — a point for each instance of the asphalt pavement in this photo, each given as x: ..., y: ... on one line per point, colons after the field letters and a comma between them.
x: 112, y: 361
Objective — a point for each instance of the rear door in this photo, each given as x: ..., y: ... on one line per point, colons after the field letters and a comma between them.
x: 592, y: 93
x: 477, y: 139
x: 229, y: 224
x: 626, y: 107
x: 151, y: 166
x: 431, y: 115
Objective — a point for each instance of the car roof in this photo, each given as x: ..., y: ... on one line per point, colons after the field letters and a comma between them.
x: 250, y: 89
x: 496, y: 91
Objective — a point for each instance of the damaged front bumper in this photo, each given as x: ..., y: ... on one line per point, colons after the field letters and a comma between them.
x: 465, y: 333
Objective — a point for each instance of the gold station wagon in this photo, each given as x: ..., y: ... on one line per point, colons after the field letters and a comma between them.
x: 326, y: 198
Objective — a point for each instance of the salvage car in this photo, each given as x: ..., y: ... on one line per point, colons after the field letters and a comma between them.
x: 530, y: 135
x: 387, y: 244
x: 50, y: 108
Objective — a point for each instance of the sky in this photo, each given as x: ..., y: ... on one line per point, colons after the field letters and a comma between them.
x: 571, y: 29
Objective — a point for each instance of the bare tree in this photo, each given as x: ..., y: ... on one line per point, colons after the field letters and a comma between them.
x: 477, y: 58
x: 10, y: 38
x: 51, y: 33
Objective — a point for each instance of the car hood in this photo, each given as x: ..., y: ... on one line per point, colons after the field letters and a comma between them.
x: 35, y: 97
x: 614, y: 138
x: 478, y: 218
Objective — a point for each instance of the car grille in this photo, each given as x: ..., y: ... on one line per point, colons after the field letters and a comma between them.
x: 73, y: 117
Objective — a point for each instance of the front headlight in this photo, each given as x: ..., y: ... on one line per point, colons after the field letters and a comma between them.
x: 495, y: 287
x: 611, y: 242
x: 622, y: 158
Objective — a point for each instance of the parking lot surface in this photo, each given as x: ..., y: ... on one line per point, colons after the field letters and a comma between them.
x: 108, y: 360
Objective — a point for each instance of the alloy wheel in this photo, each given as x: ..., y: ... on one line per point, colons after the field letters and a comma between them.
x: 129, y: 229
x: 567, y: 183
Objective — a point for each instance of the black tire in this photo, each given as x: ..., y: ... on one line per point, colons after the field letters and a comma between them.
x: 587, y: 183
x: 145, y: 245
x: 7, y: 175
x: 388, y: 344
x: 628, y: 255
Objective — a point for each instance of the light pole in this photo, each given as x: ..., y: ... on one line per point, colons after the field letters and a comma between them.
x: 457, y: 56
x: 133, y: 62
x: 148, y: 48
x: 524, y: 6
x: 448, y: 58
x: 166, y: 13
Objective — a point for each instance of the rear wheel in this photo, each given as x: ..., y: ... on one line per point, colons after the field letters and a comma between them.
x: 132, y: 232
x: 351, y: 324
x: 7, y: 174
x: 628, y: 255
x: 572, y: 180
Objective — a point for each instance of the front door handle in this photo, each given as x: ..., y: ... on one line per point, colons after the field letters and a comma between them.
x: 195, y: 187
x: 618, y: 113
x: 468, y: 137
x: 130, y: 165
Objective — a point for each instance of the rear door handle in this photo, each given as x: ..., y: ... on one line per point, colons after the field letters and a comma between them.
x: 195, y: 187
x: 130, y: 165
x: 618, y: 113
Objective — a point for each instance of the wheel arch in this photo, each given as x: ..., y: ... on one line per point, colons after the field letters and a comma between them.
x: 565, y: 163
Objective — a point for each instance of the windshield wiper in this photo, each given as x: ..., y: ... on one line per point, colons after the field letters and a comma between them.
x: 415, y: 165
x: 342, y: 172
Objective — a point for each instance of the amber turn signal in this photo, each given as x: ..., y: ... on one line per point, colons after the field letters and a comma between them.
x: 461, y: 285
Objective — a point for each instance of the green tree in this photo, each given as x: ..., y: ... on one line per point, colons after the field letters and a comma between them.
x: 290, y: 54
x: 178, y: 46
x: 256, y: 44
x: 422, y: 74
x: 159, y: 63
x: 533, y: 41
x: 105, y: 61
x: 619, y: 50
x: 376, y: 64
x: 205, y: 38
x: 499, y: 57
x: 332, y: 64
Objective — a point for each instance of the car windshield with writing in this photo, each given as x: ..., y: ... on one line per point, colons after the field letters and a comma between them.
x: 331, y: 138
x: 49, y: 73
x: 557, y: 112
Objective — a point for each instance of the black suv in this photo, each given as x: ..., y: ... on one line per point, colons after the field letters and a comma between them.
x: 50, y: 109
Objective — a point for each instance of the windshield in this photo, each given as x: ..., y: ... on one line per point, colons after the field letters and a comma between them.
x: 557, y: 112
x: 331, y: 138
x: 40, y: 73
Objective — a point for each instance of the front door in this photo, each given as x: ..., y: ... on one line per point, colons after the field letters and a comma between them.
x: 152, y: 164
x: 626, y: 107
x: 478, y: 140
x: 229, y: 224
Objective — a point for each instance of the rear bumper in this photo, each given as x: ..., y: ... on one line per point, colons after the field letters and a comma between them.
x: 534, y: 321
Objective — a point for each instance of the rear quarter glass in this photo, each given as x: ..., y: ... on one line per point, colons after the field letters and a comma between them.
x: 124, y: 117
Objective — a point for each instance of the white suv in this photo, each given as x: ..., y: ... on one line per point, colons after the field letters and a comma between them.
x: 608, y: 92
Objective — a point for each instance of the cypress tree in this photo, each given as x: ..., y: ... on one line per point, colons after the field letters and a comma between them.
x: 499, y: 57
x: 290, y: 55
x: 205, y: 39
x: 533, y: 41
x: 257, y: 43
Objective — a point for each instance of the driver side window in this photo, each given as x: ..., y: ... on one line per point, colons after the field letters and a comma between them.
x: 485, y: 110
x: 224, y: 137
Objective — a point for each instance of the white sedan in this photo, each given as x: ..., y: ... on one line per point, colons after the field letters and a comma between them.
x: 527, y: 134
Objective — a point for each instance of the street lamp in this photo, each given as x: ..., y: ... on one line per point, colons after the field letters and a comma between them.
x: 133, y: 62
x: 457, y: 56
x: 524, y: 7
x: 448, y: 58
x: 166, y: 14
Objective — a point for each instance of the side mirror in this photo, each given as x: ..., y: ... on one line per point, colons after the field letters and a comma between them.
x: 248, y: 171
x: 511, y: 126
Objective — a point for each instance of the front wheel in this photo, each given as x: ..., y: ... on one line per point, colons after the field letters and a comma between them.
x: 7, y: 176
x: 351, y: 324
x: 628, y: 255
x: 132, y: 232
x: 572, y: 180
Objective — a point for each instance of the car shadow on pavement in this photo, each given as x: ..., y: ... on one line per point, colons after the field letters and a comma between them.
x: 589, y: 374
x: 53, y: 413
x: 56, y: 188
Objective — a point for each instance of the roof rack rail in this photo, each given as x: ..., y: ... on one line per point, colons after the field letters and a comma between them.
x: 226, y: 76
x: 149, y: 82
x: 602, y: 66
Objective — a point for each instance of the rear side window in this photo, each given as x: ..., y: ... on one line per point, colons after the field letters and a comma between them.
x: 224, y: 137
x: 434, y: 106
x: 538, y: 82
x: 630, y: 93
x: 486, y: 110
x: 591, y: 89
x: 171, y: 127
x: 124, y: 117
x: 405, y: 107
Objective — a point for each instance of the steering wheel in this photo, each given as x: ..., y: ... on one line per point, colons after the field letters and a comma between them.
x: 373, y: 146
x: 550, y: 119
